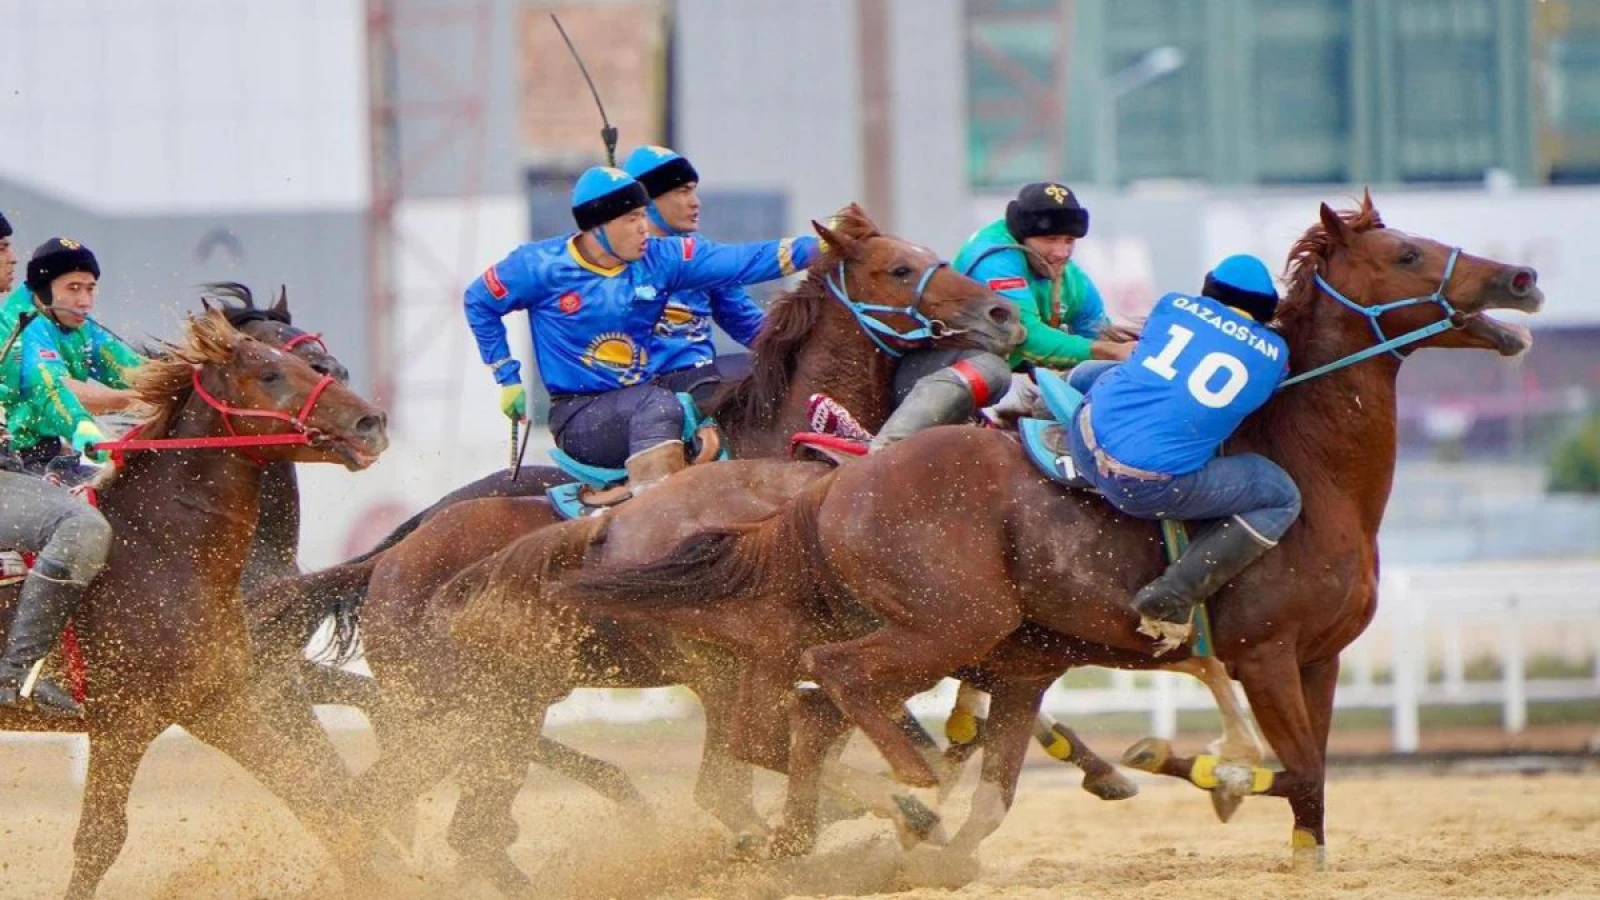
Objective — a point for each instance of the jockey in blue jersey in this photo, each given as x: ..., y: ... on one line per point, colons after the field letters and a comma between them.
x: 593, y: 300
x: 1148, y: 434
x: 683, y: 350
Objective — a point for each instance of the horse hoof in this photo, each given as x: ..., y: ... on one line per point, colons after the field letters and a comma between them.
x: 917, y: 824
x: 1225, y: 803
x: 928, y: 868
x: 749, y: 846
x: 1149, y: 755
x: 1110, y: 785
x: 1309, y: 860
x: 501, y: 873
x: 789, y: 843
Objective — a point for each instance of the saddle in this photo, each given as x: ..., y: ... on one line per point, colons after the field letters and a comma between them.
x: 596, y: 487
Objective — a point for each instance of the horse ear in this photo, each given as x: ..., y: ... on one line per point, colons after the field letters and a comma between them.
x: 205, y: 303
x: 281, y: 307
x: 841, y: 245
x: 1337, y: 230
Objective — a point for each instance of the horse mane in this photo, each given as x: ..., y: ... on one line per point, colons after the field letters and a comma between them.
x: 1306, y: 258
x: 165, y: 382
x: 238, y: 303
x: 754, y: 401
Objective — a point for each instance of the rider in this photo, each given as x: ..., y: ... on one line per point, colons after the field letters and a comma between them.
x: 1025, y: 257
x: 683, y: 350
x: 64, y: 368
x: 71, y: 538
x: 1148, y: 434
x: 8, y: 257
x: 593, y: 300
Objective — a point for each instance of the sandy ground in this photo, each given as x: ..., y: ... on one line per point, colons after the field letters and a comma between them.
x: 201, y: 828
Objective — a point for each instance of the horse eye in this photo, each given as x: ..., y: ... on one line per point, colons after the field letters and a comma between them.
x: 1409, y: 257
x: 900, y: 271
x: 271, y: 376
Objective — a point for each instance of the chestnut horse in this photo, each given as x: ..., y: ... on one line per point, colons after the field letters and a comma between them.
x: 161, y: 628
x: 813, y: 342
x: 963, y: 555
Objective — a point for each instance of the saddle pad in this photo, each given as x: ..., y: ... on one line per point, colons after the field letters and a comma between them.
x: 1060, y: 398
x: 830, y: 446
x: 1045, y: 444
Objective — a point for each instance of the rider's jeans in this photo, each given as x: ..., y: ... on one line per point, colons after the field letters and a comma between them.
x: 44, y: 519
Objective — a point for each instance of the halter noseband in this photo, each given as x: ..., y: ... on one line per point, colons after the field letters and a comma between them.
x: 1387, y: 344
x: 305, y: 337
x: 877, y: 329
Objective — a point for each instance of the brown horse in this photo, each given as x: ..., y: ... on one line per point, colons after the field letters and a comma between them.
x: 161, y: 627
x: 964, y: 555
x: 811, y: 343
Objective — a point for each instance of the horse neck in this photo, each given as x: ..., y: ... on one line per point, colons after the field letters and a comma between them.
x: 837, y: 359
x: 198, y: 505
x: 1336, y: 434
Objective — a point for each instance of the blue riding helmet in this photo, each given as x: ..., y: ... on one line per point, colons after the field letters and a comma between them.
x: 660, y: 170
x: 1243, y: 282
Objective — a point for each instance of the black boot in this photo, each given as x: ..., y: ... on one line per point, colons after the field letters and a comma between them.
x: 934, y: 401
x: 42, y: 612
x: 1212, y: 560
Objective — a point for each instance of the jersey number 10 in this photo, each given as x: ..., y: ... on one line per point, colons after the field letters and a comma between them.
x: 1204, y: 372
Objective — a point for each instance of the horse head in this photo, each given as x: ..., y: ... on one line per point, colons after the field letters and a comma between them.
x: 1404, y: 284
x: 255, y: 390
x: 273, y: 326
x: 904, y: 295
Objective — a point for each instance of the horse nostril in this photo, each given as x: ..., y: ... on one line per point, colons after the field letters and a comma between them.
x: 368, y: 426
x: 1522, y: 281
x: 1002, y: 314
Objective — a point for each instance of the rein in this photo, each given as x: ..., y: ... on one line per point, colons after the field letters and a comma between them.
x: 877, y: 329
x: 1387, y: 344
x: 301, y: 436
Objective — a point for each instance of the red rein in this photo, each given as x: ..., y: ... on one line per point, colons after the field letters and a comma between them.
x: 300, y: 436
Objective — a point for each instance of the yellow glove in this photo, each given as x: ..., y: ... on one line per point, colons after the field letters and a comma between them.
x: 84, y: 436
x: 514, y: 402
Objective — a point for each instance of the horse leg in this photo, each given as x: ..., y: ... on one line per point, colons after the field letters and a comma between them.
x: 964, y: 730
x: 817, y: 730
x: 1100, y: 778
x: 901, y: 659
x: 326, y: 685
x: 725, y: 787
x: 298, y: 764
x: 103, y: 825
x: 482, y: 827
x: 1318, y: 682
x: 1013, y: 711
x: 1237, y: 754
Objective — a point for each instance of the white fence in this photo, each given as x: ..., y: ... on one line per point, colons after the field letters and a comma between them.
x: 1428, y: 618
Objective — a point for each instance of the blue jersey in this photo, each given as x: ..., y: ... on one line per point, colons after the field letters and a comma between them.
x: 593, y: 328
x: 683, y: 333
x: 1199, y: 368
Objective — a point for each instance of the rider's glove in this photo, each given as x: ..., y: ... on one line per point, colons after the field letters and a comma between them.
x: 84, y: 436
x: 514, y: 402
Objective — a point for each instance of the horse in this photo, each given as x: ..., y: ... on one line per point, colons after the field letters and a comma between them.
x: 813, y: 342
x: 161, y: 628
x: 961, y: 554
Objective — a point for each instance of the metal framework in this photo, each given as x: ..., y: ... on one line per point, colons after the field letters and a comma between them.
x: 423, y: 108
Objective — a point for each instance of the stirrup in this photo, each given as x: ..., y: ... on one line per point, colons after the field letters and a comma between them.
x: 708, y: 443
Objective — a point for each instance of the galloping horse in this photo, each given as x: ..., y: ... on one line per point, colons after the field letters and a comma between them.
x: 962, y: 554
x: 814, y: 341
x: 161, y: 628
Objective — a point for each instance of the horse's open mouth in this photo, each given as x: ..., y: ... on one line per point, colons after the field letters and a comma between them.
x: 355, y: 456
x: 1507, y: 338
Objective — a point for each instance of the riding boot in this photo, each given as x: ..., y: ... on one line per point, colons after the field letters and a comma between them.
x: 1213, y: 559
x: 47, y: 602
x: 933, y: 401
x: 647, y: 468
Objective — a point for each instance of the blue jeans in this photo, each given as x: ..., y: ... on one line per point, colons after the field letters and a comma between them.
x: 605, y: 429
x: 1246, y: 485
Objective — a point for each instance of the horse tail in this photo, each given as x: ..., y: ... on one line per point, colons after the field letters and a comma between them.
x: 770, y: 556
x: 495, y: 604
x: 286, y: 613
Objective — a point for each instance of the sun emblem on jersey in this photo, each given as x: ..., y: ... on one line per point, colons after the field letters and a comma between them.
x: 615, y: 352
x: 679, y: 321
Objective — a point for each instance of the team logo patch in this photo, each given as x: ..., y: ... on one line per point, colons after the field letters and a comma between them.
x: 616, y: 353
x: 569, y: 302
x: 688, y: 249
x: 1015, y: 282
x: 71, y: 244
x: 1057, y: 193
x: 491, y: 280
x: 49, y: 354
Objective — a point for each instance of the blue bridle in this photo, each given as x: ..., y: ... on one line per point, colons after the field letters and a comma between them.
x: 876, y: 329
x: 1387, y: 344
